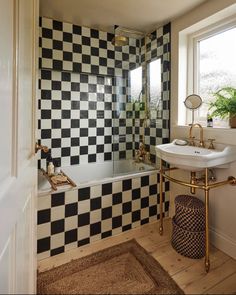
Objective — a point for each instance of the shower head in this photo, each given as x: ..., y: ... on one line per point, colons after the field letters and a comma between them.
x: 120, y: 40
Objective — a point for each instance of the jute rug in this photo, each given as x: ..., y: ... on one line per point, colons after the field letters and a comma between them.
x: 126, y: 268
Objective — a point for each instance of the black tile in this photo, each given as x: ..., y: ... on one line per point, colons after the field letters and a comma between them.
x: 153, y: 189
x: 56, y: 142
x: 83, y: 242
x: 71, y: 236
x: 92, y: 140
x: 77, y: 67
x: 66, y: 95
x: 71, y: 209
x: 106, y: 189
x: 116, y: 222
x: 44, y: 216
x: 136, y: 215
x: 67, y: 37
x: 94, y: 51
x: 95, y: 203
x: 92, y: 123
x: 57, y: 65
x: 106, y: 234
x: 65, y: 133
x: 94, y: 33
x: 107, y: 156
x: 75, y: 123
x: 74, y: 141
x: 47, y: 53
x: 65, y: 76
x: 43, y: 245
x: 46, y: 114
x: 46, y: 94
x: 57, y: 226
x: 84, y: 193
x: 86, y: 59
x: 85, y: 40
x: 84, y: 96
x: 46, y: 75
x: 84, y: 219
x: 75, y: 105
x: 84, y: 114
x: 76, y: 30
x: 46, y: 133
x: 56, y: 104
x: 126, y: 207
x: 75, y: 86
x: 83, y: 78
x: 106, y: 213
x: 144, y: 180
x: 92, y: 158
x: 100, y: 148
x: 56, y: 124
x: 57, y: 199
x: 83, y: 150
x: 57, y: 25
x: 77, y: 48
x: 57, y: 251
x: 126, y: 227
x: 100, y: 131
x: 144, y: 221
x: 145, y: 202
x: 46, y: 33
x: 153, y: 210
x: 103, y: 44
x: 84, y: 132
x: 117, y: 198
x: 65, y: 114
x: 74, y: 160
x: 67, y: 56
x: 95, y: 228
x: 126, y: 184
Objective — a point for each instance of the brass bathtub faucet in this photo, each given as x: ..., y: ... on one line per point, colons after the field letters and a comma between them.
x: 201, y: 143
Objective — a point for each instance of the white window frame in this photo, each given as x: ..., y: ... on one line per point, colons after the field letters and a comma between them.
x: 193, y: 58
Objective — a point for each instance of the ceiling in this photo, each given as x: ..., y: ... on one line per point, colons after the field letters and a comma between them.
x: 141, y: 15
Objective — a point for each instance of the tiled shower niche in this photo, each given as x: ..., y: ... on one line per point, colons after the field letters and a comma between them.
x: 86, y: 113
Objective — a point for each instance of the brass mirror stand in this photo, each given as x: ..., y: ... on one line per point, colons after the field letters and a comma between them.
x: 206, y: 187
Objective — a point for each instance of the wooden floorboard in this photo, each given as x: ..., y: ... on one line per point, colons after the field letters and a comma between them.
x: 189, y: 274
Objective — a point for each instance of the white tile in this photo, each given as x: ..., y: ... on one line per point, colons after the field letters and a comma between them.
x: 83, y: 232
x: 71, y: 246
x: 43, y: 255
x: 71, y: 196
x: 46, y: 23
x: 95, y: 238
x: 136, y: 205
x: 44, y: 202
x: 96, y: 191
x: 106, y: 201
x: 126, y: 219
x: 144, y: 191
x: 83, y: 206
x: 57, y: 213
x: 106, y: 225
x: 71, y: 223
x: 57, y: 240
x: 127, y: 196
x: 95, y: 216
x: 43, y: 230
x: 117, y: 210
x: 116, y: 231
x: 136, y: 183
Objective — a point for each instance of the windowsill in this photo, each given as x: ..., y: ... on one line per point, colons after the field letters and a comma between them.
x: 221, y: 134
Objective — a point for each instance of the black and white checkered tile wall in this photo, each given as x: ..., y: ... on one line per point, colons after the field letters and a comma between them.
x: 77, y: 217
x: 85, y: 108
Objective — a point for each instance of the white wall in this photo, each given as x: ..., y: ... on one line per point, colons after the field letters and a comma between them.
x: 222, y: 200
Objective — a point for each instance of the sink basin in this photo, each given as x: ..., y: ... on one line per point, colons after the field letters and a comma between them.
x: 196, y: 158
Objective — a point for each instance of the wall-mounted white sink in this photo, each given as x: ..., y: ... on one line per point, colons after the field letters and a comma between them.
x: 195, y: 158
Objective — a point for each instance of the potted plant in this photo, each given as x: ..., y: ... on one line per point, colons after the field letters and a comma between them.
x: 224, y: 105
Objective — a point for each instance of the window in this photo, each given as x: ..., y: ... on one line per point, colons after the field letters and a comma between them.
x: 214, y: 67
x: 136, y: 84
x: 155, y: 83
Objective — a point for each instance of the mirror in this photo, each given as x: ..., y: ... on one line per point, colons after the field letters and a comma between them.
x: 193, y: 102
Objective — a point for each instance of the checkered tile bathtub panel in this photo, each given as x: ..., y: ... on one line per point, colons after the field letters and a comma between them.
x: 77, y: 217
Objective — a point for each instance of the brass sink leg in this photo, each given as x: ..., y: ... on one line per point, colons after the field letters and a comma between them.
x: 193, y: 181
x: 161, y: 199
x: 206, y: 189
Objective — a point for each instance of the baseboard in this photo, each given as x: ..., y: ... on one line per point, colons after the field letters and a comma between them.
x: 223, y: 242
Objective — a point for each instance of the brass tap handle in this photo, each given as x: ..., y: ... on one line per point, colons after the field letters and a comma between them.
x: 191, y: 141
x: 211, y: 145
x: 43, y: 148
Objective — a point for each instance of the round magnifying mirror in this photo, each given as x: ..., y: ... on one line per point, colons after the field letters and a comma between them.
x: 193, y: 102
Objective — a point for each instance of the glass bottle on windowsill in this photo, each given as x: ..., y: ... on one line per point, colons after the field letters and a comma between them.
x: 209, y: 120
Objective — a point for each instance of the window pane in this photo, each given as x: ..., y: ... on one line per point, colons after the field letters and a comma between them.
x: 217, y: 67
x: 155, y: 83
x: 136, y: 84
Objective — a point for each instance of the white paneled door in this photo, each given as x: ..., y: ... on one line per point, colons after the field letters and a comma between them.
x: 18, y: 171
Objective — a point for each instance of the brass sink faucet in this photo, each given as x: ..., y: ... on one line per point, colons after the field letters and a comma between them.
x: 201, y: 143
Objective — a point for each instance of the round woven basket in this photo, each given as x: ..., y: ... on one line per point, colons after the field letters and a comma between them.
x: 190, y: 213
x: 188, y: 243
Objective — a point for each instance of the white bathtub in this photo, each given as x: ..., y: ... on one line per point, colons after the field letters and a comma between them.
x: 97, y: 173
